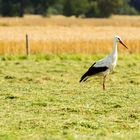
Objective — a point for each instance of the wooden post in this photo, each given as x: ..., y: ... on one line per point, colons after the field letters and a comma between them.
x: 27, y: 46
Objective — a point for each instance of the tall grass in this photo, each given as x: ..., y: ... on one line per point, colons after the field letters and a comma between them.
x: 68, y: 35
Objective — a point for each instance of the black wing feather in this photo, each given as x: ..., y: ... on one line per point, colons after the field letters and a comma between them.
x: 92, y: 71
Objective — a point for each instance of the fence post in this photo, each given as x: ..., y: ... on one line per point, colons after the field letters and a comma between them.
x: 27, y: 46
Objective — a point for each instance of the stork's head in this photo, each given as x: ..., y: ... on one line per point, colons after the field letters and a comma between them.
x: 118, y: 39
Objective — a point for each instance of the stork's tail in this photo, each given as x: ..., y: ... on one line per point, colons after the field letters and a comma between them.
x: 84, y: 78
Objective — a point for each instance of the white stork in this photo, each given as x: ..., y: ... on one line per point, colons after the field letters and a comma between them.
x: 105, y: 65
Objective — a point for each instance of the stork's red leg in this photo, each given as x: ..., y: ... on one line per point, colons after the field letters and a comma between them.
x: 104, y: 79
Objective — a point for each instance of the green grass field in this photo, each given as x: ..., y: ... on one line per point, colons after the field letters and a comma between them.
x: 41, y: 99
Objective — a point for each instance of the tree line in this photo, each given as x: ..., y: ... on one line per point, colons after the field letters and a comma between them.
x: 83, y: 8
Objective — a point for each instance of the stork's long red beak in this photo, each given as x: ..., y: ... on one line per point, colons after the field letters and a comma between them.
x: 123, y: 44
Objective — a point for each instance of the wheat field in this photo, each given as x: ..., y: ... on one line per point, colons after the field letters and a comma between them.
x: 68, y: 35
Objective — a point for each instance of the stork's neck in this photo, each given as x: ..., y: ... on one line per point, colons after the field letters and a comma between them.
x: 115, y: 49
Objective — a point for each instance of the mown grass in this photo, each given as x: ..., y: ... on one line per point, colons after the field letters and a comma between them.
x: 41, y: 98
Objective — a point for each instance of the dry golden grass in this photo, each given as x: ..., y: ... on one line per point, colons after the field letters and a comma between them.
x: 68, y: 35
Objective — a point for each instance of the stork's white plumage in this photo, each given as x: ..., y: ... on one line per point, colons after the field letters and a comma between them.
x: 105, y: 65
